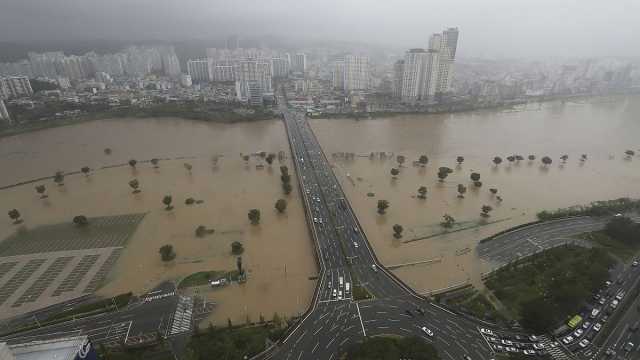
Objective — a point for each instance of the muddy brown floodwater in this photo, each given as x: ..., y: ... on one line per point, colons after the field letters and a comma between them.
x: 601, y: 128
x: 278, y: 253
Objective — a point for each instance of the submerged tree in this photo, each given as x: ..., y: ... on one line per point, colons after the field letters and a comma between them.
x: 423, y: 160
x: 14, y: 215
x: 497, y: 160
x: 254, y: 216
x: 41, y: 190
x: 394, y: 173
x: 155, y: 162
x: 447, y: 221
x: 167, y: 200
x: 400, y: 159
x: 167, y: 253
x: 133, y: 163
x: 281, y: 205
x: 460, y: 160
x: 422, y: 192
x: 135, y: 184
x: 531, y: 157
x: 629, y: 153
x: 81, y: 220
x: 461, y: 191
x: 237, y: 248
x: 397, y: 231
x: 188, y: 167
x: 58, y: 178
x: 86, y: 170
x: 269, y: 159
x: 493, y: 191
x: 546, y: 161
x: 564, y: 158
x: 486, y: 209
x: 383, y: 205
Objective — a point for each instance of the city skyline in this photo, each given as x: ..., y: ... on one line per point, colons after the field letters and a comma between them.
x: 495, y: 29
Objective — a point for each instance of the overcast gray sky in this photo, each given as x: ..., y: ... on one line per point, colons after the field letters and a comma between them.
x: 489, y: 28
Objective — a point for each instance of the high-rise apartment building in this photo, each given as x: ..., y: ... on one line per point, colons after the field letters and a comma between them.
x: 448, y: 44
x: 424, y: 73
x: 14, y: 87
x: 351, y: 73
x: 299, y: 63
x: 398, y: 71
x: 356, y: 72
x: 223, y: 73
x: 280, y: 67
x: 199, y: 70
x: 337, y: 75
x: 171, y: 64
x: 253, y: 80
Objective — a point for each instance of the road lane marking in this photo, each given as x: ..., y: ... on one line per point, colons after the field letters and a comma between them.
x: 361, y: 323
x: 315, y: 347
x: 443, y: 309
x: 329, y: 344
x: 317, y: 331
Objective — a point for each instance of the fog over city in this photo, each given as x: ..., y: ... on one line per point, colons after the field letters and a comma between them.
x: 492, y: 28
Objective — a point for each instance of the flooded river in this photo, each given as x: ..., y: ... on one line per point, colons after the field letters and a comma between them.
x: 278, y: 253
x: 602, y: 128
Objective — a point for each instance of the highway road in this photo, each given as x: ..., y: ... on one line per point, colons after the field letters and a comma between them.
x: 345, y: 257
x: 153, y: 313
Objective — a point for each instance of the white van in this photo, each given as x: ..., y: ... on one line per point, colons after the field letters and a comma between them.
x: 347, y: 288
x: 341, y: 281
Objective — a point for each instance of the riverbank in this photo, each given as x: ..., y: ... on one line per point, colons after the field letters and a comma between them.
x: 30, y: 120
x: 464, y: 107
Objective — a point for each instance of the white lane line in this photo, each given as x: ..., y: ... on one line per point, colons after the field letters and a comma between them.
x: 449, y: 355
x: 360, y: 316
x: 315, y: 347
x: 299, y: 356
x: 344, y: 341
x: 329, y: 344
x: 127, y: 336
x: 317, y: 331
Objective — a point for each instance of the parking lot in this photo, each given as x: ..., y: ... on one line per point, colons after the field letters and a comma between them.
x: 55, y: 263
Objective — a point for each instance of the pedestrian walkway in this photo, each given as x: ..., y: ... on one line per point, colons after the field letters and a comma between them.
x: 182, y: 318
x: 556, y: 351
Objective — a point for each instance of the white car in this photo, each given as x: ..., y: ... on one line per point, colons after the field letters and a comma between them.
x: 374, y: 267
x: 578, y: 333
x: 567, y: 340
x: 538, y: 346
x: 584, y: 343
x: 528, y: 352
x: 634, y: 263
x: 595, y: 312
x: 533, y: 338
x: 334, y: 293
x: 486, y: 331
x: 597, y: 327
x: 426, y: 331
x: 507, y: 342
x: 511, y: 349
x: 586, y: 324
x: 355, y: 244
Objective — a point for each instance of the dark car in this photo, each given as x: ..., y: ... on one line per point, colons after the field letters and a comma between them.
x: 408, y: 312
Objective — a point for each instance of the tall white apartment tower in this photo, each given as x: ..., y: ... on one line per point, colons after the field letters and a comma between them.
x: 413, y: 75
x: 356, y: 72
x: 446, y: 45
